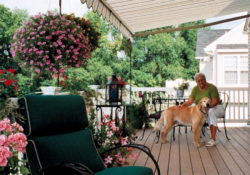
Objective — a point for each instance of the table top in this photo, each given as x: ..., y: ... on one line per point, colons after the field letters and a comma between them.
x: 174, y: 98
x: 109, y: 105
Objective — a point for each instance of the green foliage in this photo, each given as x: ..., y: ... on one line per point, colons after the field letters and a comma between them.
x: 135, y: 111
x: 48, y: 82
x: 23, y: 85
x: 9, y: 22
x: 75, y: 81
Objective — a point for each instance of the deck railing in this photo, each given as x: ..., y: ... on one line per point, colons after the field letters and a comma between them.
x: 237, y: 110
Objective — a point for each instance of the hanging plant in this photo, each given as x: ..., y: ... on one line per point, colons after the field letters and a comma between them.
x: 49, y: 42
x: 90, y: 29
x: 120, y: 43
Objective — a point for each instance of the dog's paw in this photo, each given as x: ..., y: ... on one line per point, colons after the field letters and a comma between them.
x: 197, y: 145
x: 163, y: 141
x: 201, y: 143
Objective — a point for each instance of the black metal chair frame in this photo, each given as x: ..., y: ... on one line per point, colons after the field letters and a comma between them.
x: 179, y: 125
x: 157, y: 114
x: 205, y: 126
x: 225, y: 104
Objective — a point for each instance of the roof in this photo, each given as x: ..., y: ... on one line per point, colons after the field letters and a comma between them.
x: 206, y: 37
x: 141, y: 15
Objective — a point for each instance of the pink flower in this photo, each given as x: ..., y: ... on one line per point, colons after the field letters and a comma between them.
x: 101, y: 124
x: 3, y: 140
x: 87, y: 109
x: 108, y: 159
x: 4, y: 154
x: 109, y: 133
x: 31, y: 62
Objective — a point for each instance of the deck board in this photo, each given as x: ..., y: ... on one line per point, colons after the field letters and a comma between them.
x: 196, y: 161
x: 222, y: 155
x: 163, y: 160
x: 182, y: 157
x: 174, y: 160
x: 239, y: 160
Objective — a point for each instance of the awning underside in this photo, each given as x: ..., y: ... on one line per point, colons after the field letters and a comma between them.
x: 130, y: 16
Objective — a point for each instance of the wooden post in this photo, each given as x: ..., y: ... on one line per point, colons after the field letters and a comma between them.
x: 60, y: 7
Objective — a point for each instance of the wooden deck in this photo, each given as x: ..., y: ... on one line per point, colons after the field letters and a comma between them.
x: 181, y: 157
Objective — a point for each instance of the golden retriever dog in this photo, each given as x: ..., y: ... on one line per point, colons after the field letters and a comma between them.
x: 190, y: 116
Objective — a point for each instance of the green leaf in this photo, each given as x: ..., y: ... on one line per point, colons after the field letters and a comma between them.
x: 24, y: 170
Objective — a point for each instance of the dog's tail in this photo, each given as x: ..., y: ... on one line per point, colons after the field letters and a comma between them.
x: 159, y: 123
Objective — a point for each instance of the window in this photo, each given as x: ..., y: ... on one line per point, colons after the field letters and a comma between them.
x: 236, y: 69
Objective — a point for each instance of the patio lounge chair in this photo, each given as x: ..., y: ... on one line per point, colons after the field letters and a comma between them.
x: 56, y: 128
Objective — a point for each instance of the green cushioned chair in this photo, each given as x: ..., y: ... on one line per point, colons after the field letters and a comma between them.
x: 59, y: 141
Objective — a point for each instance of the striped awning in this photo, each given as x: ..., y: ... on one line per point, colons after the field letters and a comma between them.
x: 131, y: 16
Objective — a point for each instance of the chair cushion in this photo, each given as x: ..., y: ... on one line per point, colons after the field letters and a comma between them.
x: 64, y: 148
x: 130, y: 170
x: 53, y: 114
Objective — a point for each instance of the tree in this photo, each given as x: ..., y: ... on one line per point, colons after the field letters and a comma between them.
x: 9, y: 22
x: 155, y: 58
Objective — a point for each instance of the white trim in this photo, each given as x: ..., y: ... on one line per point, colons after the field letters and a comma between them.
x: 247, y: 24
x: 199, y: 58
x: 212, y: 46
x: 232, y: 50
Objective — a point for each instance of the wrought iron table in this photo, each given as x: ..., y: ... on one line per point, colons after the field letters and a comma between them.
x: 177, y: 101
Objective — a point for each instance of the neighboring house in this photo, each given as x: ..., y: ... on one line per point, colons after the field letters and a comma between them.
x: 223, y: 56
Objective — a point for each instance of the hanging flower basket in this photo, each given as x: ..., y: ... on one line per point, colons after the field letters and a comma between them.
x: 48, y: 42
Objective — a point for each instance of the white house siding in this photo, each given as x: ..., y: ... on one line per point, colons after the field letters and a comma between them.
x: 206, y: 68
x: 236, y: 37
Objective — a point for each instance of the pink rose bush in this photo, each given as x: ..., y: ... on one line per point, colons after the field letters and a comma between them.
x: 12, y: 142
x: 108, y: 135
x: 48, y: 42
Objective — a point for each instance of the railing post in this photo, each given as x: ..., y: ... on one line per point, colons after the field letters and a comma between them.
x: 248, y: 76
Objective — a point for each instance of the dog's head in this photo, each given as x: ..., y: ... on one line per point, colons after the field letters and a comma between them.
x: 205, y: 103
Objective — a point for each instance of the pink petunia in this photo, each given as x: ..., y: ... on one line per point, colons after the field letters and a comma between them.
x: 108, y: 159
x: 109, y: 133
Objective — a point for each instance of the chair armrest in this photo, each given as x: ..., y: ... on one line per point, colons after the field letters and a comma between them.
x: 143, y: 148
x: 66, y: 168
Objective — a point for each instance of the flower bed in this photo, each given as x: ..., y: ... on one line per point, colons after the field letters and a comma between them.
x: 107, y: 135
x: 12, y: 141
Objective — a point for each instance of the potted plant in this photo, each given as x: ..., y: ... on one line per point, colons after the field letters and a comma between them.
x: 49, y: 43
x: 136, y: 115
x: 90, y: 29
x: 180, y: 89
x: 49, y: 88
